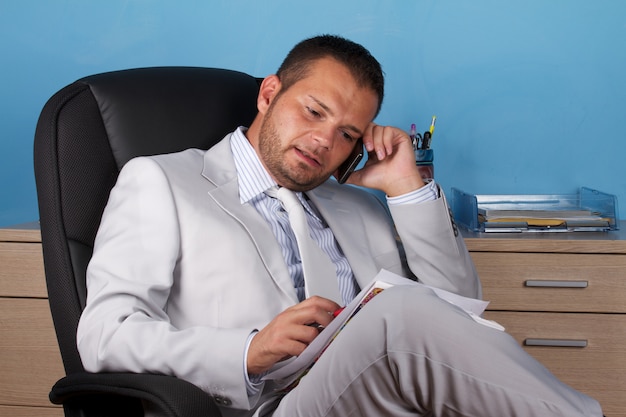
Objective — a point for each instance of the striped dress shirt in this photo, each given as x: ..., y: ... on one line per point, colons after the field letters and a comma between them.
x: 254, y: 180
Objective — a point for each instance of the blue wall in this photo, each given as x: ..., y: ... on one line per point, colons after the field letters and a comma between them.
x: 530, y: 96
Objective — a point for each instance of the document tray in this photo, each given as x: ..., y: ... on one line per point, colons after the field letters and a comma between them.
x: 589, y: 210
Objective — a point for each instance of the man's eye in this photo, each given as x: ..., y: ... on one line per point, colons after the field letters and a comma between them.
x: 347, y: 136
x: 313, y: 112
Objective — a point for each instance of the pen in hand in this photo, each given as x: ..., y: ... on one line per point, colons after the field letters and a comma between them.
x: 319, y: 327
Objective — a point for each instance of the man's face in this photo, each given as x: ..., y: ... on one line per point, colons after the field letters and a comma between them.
x: 309, y: 129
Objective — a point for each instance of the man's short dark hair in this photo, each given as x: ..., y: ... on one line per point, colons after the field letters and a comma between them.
x: 365, y: 69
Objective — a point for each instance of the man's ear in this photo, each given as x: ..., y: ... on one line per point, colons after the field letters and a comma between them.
x: 267, y: 92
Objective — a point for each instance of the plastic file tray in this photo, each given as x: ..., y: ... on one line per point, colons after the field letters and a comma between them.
x: 589, y: 210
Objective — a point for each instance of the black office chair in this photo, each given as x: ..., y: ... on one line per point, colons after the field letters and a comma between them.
x: 85, y: 134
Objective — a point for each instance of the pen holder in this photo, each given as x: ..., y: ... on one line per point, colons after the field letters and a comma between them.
x: 424, y: 161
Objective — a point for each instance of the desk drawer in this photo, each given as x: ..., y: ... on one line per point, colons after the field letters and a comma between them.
x: 598, y: 369
x: 29, y: 355
x: 553, y: 281
x: 21, y: 271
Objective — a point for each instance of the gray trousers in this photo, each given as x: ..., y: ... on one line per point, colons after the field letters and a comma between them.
x: 409, y: 353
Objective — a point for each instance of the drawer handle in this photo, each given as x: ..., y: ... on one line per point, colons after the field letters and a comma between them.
x: 555, y: 284
x: 556, y: 342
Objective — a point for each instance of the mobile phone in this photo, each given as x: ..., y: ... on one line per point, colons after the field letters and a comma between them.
x: 349, y: 165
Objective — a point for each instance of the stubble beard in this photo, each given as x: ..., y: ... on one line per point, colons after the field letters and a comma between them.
x: 299, y: 178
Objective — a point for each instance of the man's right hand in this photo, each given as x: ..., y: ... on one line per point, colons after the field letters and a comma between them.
x: 289, y: 333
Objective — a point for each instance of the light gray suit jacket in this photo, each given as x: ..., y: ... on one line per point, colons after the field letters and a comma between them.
x: 182, y: 272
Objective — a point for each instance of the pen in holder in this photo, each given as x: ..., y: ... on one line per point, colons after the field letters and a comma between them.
x: 423, y: 154
x: 424, y: 161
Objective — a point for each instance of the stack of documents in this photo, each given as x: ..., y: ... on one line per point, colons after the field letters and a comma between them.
x: 542, y: 219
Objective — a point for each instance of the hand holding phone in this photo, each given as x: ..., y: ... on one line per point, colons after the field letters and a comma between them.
x: 391, y: 166
x: 350, y: 164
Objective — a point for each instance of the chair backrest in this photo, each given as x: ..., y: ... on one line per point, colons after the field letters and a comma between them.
x: 88, y: 130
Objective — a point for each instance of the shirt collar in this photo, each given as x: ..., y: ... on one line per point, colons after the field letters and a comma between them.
x: 252, y: 176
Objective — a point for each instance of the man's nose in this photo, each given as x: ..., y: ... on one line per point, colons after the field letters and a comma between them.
x: 324, y: 136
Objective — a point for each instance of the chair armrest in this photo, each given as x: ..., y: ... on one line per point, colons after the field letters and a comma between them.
x: 174, y: 397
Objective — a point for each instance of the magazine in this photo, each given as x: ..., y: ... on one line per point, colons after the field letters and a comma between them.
x: 287, y: 373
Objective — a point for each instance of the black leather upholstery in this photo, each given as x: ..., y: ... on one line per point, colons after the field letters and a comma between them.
x: 86, y: 132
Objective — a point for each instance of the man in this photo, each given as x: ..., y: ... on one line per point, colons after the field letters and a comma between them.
x: 196, y: 272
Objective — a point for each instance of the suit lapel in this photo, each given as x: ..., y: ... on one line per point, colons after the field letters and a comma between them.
x: 331, y: 200
x: 219, y: 169
x: 349, y: 229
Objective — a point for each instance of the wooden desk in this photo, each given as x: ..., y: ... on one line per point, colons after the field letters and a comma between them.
x: 30, y: 362
x: 563, y: 297
x: 591, y: 310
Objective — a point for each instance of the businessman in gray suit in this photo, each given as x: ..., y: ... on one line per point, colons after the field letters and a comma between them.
x: 196, y: 273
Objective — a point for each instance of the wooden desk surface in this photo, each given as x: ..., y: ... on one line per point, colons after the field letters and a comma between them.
x: 25, y: 232
x: 565, y: 242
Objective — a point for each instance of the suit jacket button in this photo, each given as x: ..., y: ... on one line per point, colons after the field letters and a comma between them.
x: 222, y: 401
